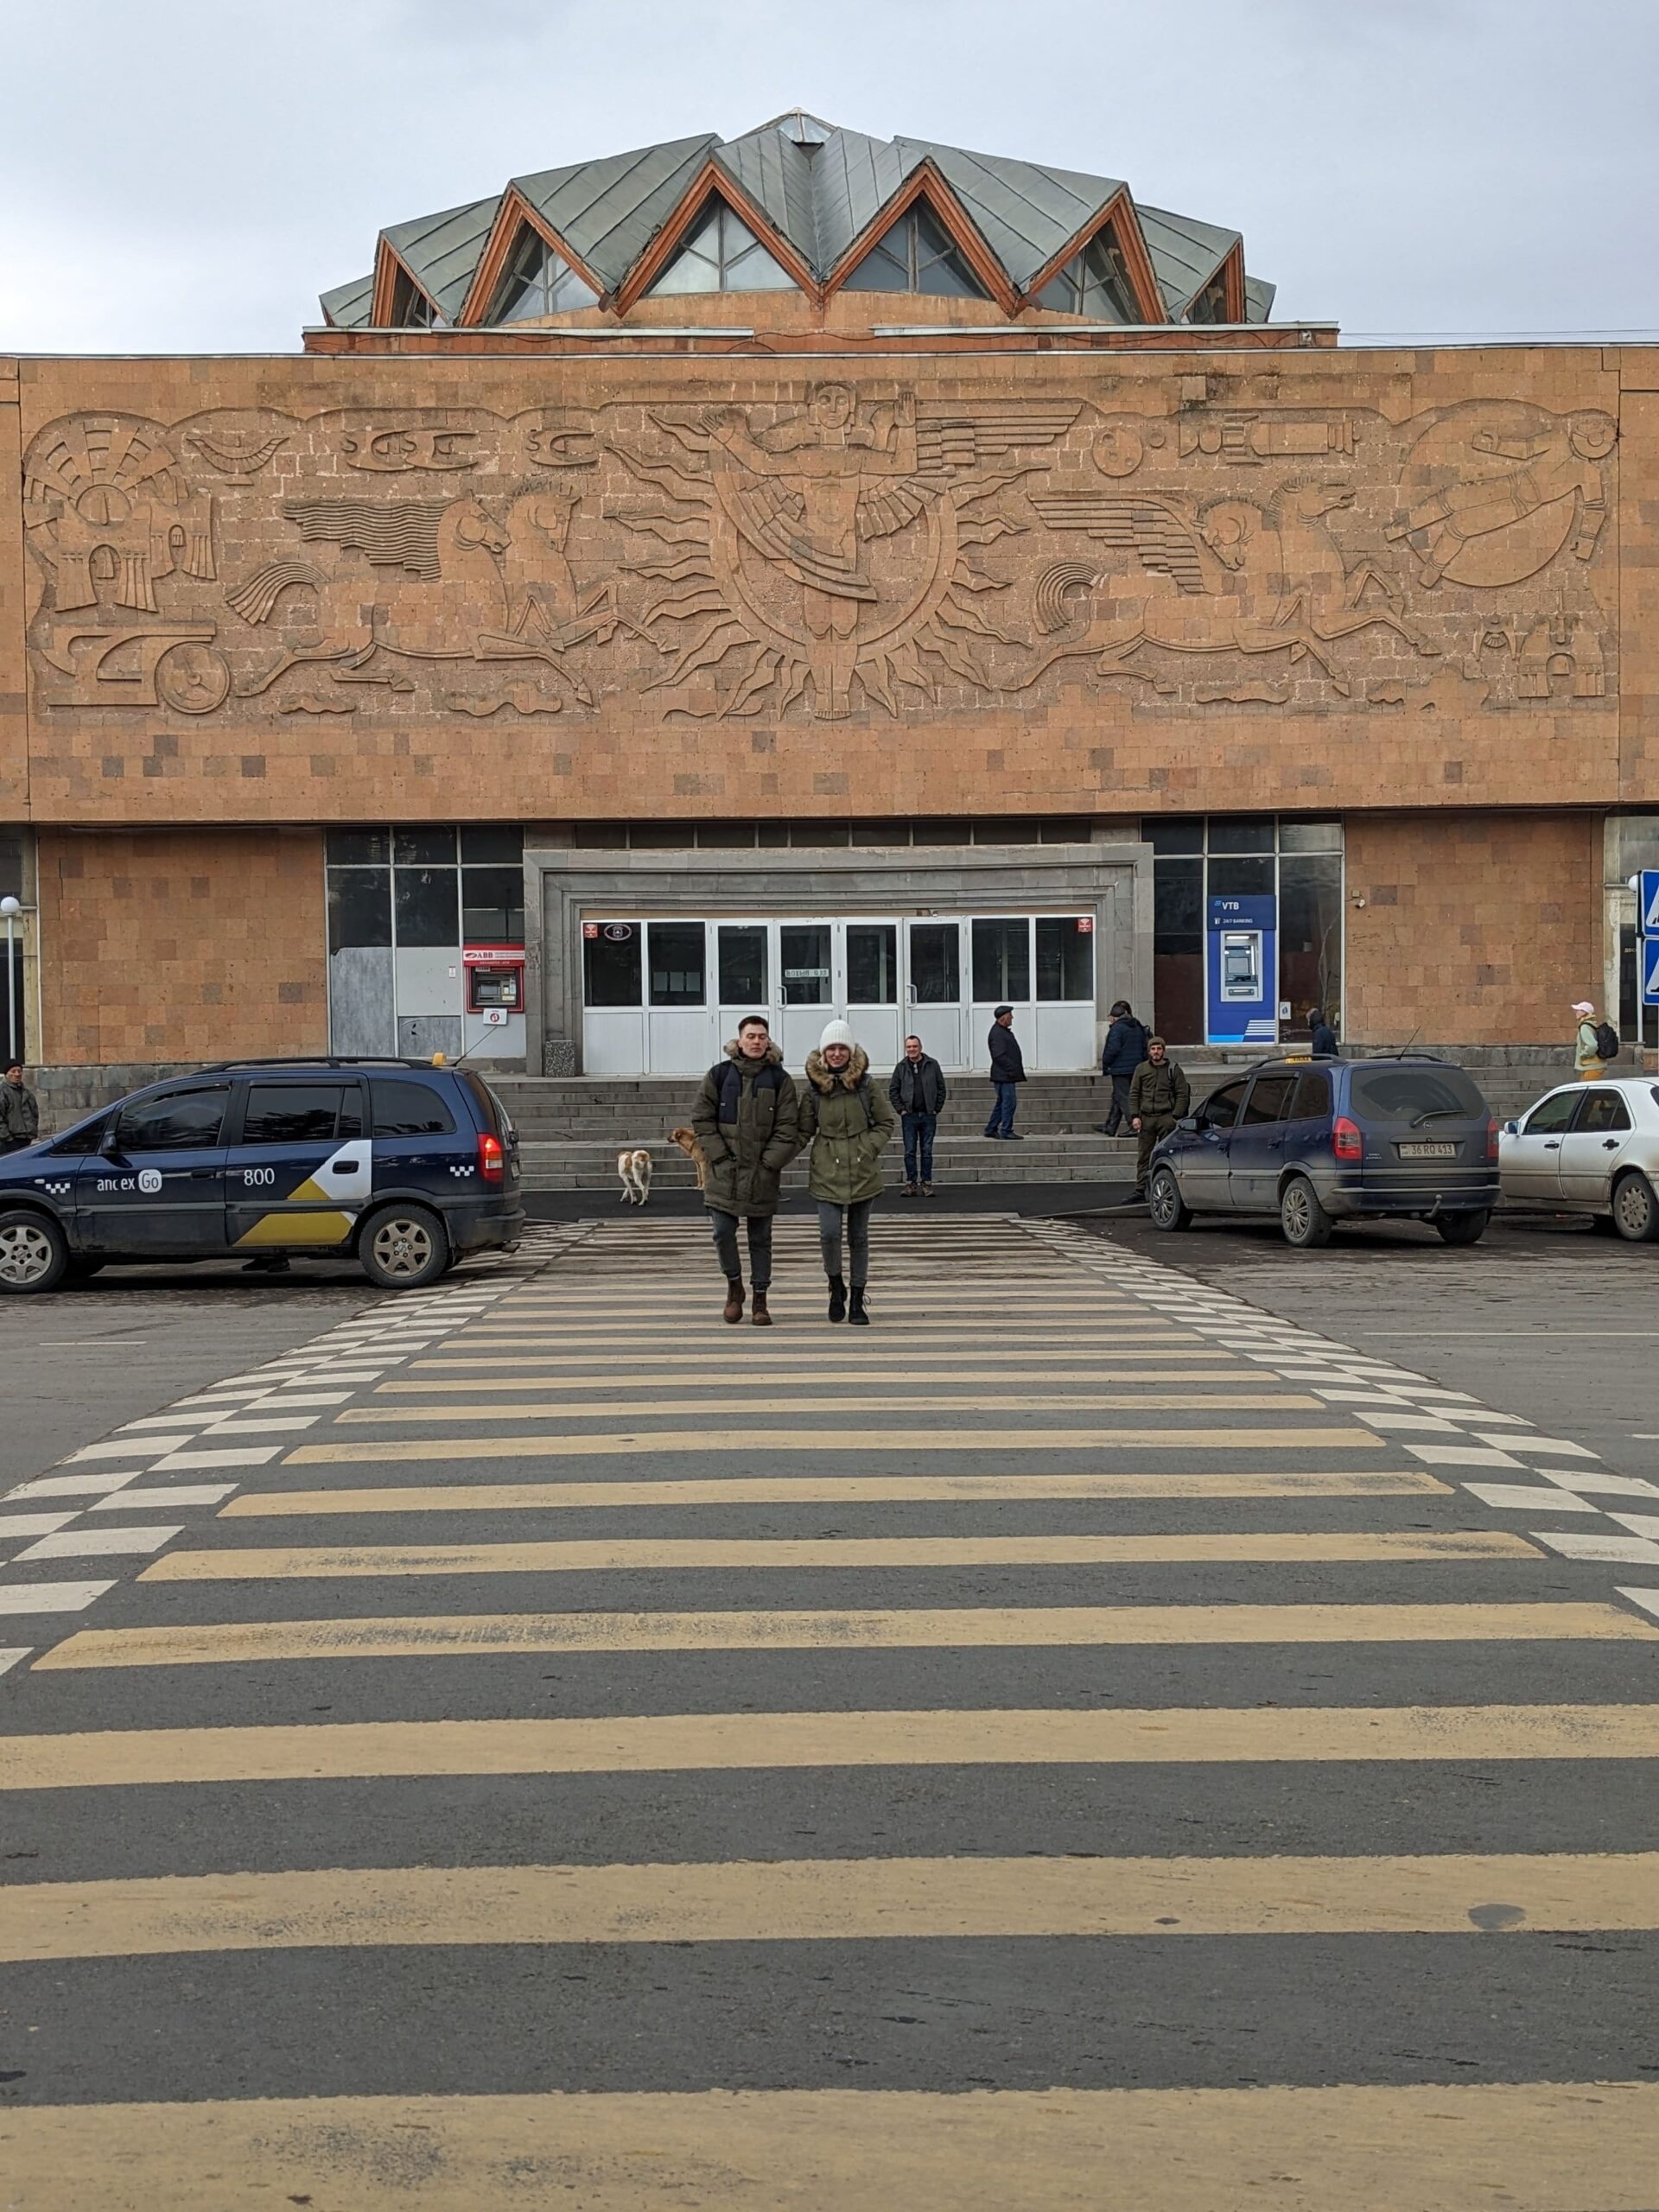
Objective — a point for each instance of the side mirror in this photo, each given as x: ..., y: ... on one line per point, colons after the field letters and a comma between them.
x: 107, y: 1147
x: 1511, y: 1129
x: 1190, y: 1122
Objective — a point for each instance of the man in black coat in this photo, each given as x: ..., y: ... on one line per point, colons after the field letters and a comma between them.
x: 1124, y: 1050
x: 918, y: 1092
x: 1007, y: 1069
x: 1324, y: 1045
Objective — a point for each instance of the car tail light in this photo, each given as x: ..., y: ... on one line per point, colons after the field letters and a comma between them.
x: 491, y: 1161
x: 1345, y: 1140
x: 1491, y: 1138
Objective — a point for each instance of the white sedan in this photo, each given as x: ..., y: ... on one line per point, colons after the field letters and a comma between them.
x: 1588, y: 1148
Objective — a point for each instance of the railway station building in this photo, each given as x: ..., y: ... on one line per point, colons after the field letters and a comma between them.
x: 820, y: 574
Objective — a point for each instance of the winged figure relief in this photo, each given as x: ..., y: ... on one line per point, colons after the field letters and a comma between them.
x: 1266, y: 578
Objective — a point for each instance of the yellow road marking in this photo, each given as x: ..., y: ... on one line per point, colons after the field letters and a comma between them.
x: 877, y: 1444
x: 646, y: 1554
x: 549, y: 1408
x: 709, y: 1742
x: 812, y: 1489
x: 819, y: 1900
x: 764, y: 1350
x: 1529, y: 2147
x: 1234, y: 1372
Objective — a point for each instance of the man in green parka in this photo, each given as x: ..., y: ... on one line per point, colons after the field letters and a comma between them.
x: 747, y: 1120
x: 847, y: 1120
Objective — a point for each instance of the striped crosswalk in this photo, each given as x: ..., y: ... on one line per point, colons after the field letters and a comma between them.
x: 1081, y: 1744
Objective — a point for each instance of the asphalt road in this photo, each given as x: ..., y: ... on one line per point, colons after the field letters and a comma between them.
x: 1082, y: 1742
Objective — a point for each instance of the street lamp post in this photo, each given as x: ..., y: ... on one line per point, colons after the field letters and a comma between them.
x: 11, y: 908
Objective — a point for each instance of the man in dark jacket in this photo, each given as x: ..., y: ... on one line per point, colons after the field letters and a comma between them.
x: 20, y: 1116
x: 918, y: 1091
x: 1124, y: 1050
x: 1007, y: 1068
x: 1159, y: 1095
x: 747, y: 1120
x: 1324, y: 1045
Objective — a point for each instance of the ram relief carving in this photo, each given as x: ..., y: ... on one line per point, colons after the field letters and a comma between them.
x: 853, y: 548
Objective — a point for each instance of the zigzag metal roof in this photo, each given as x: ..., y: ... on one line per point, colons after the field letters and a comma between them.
x: 823, y: 187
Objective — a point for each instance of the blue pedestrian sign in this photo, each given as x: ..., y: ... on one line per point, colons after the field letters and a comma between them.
x: 1647, y: 903
x: 1650, y: 949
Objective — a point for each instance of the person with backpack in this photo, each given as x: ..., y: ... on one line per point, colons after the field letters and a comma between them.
x: 1123, y: 1053
x: 747, y: 1120
x: 847, y: 1120
x: 1596, y: 1043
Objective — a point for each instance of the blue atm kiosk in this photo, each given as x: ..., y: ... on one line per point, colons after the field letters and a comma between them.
x: 1241, y: 971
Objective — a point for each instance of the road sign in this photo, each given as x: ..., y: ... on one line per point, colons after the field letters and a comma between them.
x: 1647, y: 903
x: 1650, y: 971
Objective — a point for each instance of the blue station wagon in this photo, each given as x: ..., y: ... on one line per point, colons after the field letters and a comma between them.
x: 402, y: 1165
x: 1320, y: 1141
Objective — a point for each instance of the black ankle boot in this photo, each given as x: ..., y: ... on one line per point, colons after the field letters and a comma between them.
x: 858, y: 1317
x: 838, y: 1299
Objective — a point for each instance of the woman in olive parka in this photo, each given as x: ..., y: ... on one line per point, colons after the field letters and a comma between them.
x: 747, y: 1120
x: 848, y: 1119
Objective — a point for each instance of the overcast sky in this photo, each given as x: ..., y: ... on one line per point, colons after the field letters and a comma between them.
x: 187, y: 175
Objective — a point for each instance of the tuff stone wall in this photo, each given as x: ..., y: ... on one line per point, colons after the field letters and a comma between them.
x: 1485, y: 928
x: 183, y: 945
x: 406, y: 588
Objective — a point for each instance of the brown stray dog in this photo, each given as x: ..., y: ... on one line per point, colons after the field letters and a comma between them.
x: 688, y: 1141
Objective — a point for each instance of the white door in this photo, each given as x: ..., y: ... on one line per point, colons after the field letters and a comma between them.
x: 869, y: 989
x: 806, y: 983
x: 934, y: 990
x: 1594, y: 1145
x: 681, y: 1024
x: 1530, y: 1164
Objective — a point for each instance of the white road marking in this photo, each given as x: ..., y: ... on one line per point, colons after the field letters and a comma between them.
x: 1626, y: 1551
x: 74, y: 1486
x: 245, y: 1455
x: 1529, y: 1498
x: 91, y: 1543
x: 11, y: 1653
x: 34, y: 1524
x: 118, y: 1449
x: 128, y: 1501
x: 1461, y: 1455
x: 50, y: 1597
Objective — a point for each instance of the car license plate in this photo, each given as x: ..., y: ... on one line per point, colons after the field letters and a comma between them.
x: 1428, y: 1152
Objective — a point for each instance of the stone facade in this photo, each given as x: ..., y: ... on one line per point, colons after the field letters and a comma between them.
x: 1418, y: 590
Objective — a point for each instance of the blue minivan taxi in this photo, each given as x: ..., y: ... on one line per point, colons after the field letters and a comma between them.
x: 1316, y: 1142
x: 404, y: 1165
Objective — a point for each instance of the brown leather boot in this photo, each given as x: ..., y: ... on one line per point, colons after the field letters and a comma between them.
x: 734, y: 1311
x: 761, y: 1318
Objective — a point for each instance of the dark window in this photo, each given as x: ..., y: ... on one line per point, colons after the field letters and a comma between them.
x: 1552, y: 1117
x: 360, y: 907
x: 1065, y: 957
x: 1173, y: 836
x: 1385, y: 1094
x: 917, y: 255
x: 936, y: 963
x: 721, y: 254
x: 1220, y: 1109
x: 1241, y: 833
x: 804, y: 954
x: 677, y: 963
x: 873, y: 963
x: 1002, y: 961
x: 1093, y: 282
x: 402, y: 1109
x: 423, y: 848
x: 1310, y: 935
x: 299, y: 1113
x: 1269, y: 1098
x: 1603, y: 1111
x: 1177, y: 938
x: 176, y: 1121
x: 493, y: 905
x: 488, y: 846
x: 1242, y: 879
x: 11, y: 864
x: 742, y: 965
x: 494, y: 1113
x: 537, y: 282
x: 1310, y: 837
x: 1312, y: 1099
x: 411, y: 309
x: 426, y: 908
x: 611, y: 970
x: 359, y: 848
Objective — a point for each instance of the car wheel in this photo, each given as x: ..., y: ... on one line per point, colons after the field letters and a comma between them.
x: 1303, y: 1219
x: 1462, y: 1228
x: 34, y: 1252
x: 1636, y: 1211
x: 1165, y: 1203
x: 403, y: 1248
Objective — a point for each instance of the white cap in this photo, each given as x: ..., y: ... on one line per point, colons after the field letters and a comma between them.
x: 1583, y: 1006
x: 838, y: 1033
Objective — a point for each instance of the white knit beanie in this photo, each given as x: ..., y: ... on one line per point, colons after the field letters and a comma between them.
x: 838, y: 1033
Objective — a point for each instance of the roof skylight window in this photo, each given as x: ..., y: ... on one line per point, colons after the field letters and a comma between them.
x: 537, y: 282
x: 1209, y: 305
x: 410, y: 307
x: 1094, y: 282
x: 917, y: 255
x: 721, y: 253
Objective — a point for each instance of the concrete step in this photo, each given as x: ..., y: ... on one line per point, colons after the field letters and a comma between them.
x: 566, y: 1166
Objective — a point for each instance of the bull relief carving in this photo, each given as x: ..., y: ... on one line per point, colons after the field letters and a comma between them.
x: 830, y: 551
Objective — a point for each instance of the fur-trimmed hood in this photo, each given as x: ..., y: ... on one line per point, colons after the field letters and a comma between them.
x: 774, y: 1053
x: 819, y: 1075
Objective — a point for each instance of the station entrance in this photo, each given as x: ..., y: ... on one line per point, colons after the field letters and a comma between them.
x: 662, y: 993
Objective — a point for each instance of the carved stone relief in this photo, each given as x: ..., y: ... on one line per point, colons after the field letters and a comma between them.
x: 842, y: 549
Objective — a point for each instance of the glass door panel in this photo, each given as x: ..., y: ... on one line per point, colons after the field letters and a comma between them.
x: 1002, y: 976
x: 742, y: 974
x: 680, y: 1023
x: 936, y: 1008
x: 805, y: 985
x: 872, y: 991
x: 1064, y: 1035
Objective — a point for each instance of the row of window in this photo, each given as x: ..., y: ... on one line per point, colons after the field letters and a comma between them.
x: 433, y: 887
x: 721, y: 253
x: 283, y: 1113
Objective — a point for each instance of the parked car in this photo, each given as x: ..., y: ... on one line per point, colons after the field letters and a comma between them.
x: 1588, y: 1148
x: 403, y: 1165
x: 1317, y: 1142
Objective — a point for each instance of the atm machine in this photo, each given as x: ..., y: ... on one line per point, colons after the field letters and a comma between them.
x: 1241, y: 971
x: 494, y: 1021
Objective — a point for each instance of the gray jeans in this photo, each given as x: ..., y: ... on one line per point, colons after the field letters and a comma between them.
x: 725, y: 1228
x: 858, y: 1239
